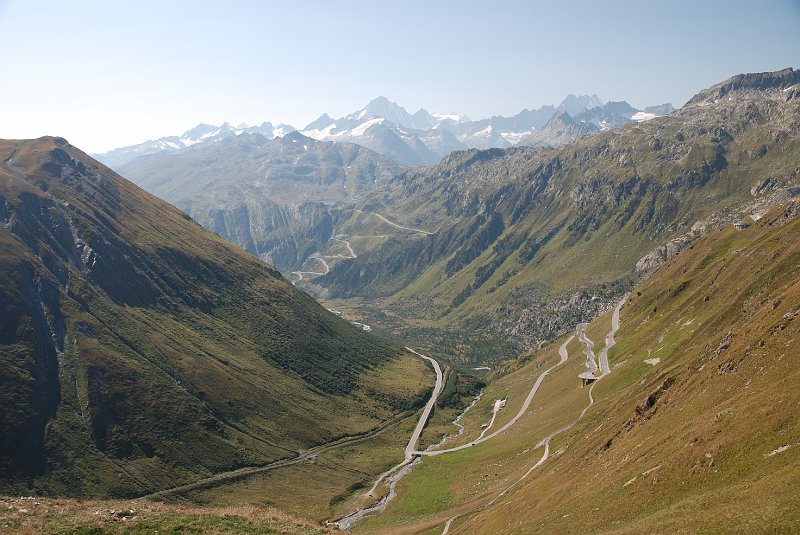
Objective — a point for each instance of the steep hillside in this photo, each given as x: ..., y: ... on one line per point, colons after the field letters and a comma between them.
x: 139, y: 351
x: 693, y: 429
x: 559, y: 131
x: 272, y: 197
x: 523, y: 243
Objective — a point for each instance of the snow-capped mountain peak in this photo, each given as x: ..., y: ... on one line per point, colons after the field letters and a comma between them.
x: 422, y: 138
x: 575, y: 104
x: 383, y: 107
x: 201, y: 134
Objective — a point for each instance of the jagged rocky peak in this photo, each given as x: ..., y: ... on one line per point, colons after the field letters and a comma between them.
x: 563, y: 118
x: 394, y: 113
x: 783, y: 85
x: 296, y: 135
x: 574, y: 104
x: 199, y: 131
x: 323, y: 121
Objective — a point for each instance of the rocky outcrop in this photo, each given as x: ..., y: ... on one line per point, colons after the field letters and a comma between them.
x: 660, y: 255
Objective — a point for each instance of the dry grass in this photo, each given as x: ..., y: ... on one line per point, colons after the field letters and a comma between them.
x: 30, y: 515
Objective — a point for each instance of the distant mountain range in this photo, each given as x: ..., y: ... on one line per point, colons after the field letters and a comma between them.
x: 201, y: 134
x: 422, y: 138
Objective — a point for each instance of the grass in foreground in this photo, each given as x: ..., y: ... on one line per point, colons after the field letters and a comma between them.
x: 30, y: 515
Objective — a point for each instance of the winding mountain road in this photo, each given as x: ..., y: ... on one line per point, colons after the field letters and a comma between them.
x: 605, y: 369
x: 379, y: 216
x: 394, y: 474
x: 305, y: 456
x: 423, y: 419
x: 610, y: 342
x: 319, y: 258
x: 349, y: 248
x: 527, y: 403
x: 580, y: 330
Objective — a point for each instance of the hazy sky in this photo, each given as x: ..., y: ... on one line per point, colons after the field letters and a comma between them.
x: 109, y: 73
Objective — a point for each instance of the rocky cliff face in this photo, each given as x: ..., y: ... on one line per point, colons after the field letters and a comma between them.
x: 283, y: 235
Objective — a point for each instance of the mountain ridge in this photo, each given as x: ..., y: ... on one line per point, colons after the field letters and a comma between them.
x: 273, y: 197
x: 411, y: 139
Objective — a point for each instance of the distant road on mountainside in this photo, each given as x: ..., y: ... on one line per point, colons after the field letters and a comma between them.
x: 379, y: 216
x: 563, y: 353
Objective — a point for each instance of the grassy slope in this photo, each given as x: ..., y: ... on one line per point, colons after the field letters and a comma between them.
x: 140, y: 351
x: 715, y: 449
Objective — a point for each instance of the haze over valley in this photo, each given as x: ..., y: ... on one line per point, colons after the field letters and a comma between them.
x: 533, y: 311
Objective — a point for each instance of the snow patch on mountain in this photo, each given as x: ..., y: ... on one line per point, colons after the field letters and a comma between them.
x: 454, y: 117
x: 643, y: 116
x: 360, y: 129
x: 515, y: 137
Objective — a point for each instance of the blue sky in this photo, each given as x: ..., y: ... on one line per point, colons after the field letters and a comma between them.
x: 109, y: 73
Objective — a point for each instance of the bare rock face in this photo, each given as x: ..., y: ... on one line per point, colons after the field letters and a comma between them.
x: 660, y: 255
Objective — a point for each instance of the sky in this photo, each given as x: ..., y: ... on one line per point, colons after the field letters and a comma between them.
x: 105, y: 74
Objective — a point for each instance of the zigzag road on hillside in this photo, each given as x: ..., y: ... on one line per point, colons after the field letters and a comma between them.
x: 349, y: 248
x: 315, y: 257
x: 535, y: 388
x: 610, y: 342
x: 580, y: 330
x: 321, y: 258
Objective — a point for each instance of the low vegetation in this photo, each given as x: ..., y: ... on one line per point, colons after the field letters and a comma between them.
x: 31, y: 515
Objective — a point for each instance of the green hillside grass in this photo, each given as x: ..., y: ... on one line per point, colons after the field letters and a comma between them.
x: 139, y: 351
